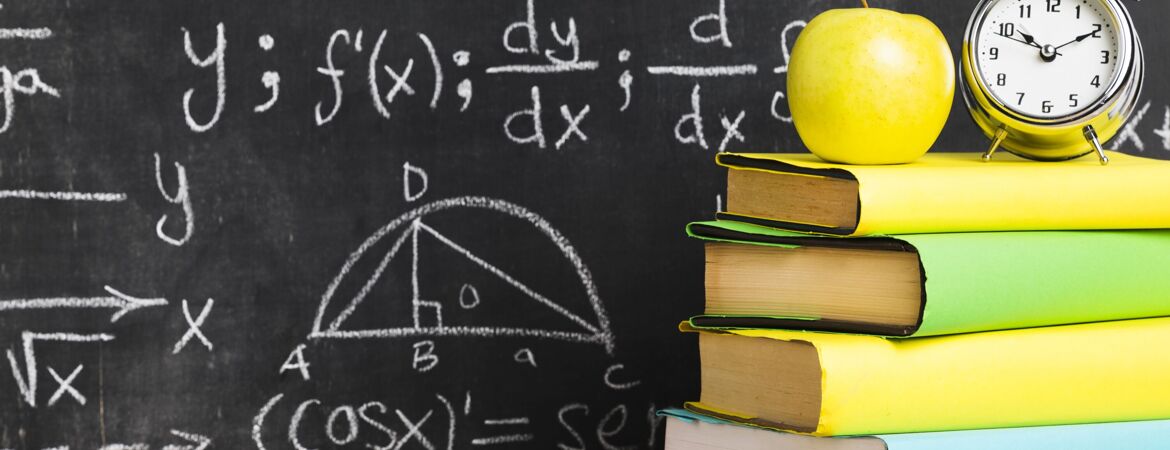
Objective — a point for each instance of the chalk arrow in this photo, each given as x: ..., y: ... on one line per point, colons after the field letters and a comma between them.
x: 117, y: 300
x: 198, y: 442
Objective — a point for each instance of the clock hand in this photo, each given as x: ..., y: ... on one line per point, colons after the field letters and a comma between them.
x: 1018, y: 40
x: 1035, y: 45
x: 1047, y: 52
x: 1078, y: 39
x: 1028, y: 39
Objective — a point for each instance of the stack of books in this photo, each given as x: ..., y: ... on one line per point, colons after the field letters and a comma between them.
x: 948, y: 303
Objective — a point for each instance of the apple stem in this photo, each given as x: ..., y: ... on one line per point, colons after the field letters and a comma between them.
x: 864, y: 4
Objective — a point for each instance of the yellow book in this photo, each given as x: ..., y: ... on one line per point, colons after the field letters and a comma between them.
x: 839, y: 384
x: 946, y: 192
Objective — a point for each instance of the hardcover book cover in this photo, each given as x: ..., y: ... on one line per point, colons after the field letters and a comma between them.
x: 1074, y: 374
x: 957, y: 192
x: 993, y: 281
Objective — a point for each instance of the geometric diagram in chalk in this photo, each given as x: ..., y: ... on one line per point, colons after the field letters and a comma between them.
x: 28, y: 381
x: 412, y: 280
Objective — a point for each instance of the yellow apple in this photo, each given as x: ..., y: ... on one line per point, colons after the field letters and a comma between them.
x: 870, y: 86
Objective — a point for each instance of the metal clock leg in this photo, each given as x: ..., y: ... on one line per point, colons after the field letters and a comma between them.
x: 1091, y: 136
x: 1000, y: 135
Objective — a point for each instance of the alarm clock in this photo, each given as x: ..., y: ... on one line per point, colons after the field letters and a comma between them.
x: 1049, y: 79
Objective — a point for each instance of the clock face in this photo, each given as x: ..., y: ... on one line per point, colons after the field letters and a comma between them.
x: 1048, y: 59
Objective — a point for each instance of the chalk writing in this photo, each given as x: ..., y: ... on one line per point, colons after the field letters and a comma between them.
x: 1164, y: 132
x: 116, y: 300
x: 704, y: 71
x: 350, y: 425
x: 573, y: 125
x: 731, y: 129
x: 65, y: 386
x: 655, y: 423
x: 378, y: 425
x: 270, y: 79
x: 189, y: 441
x: 409, y: 172
x: 11, y: 84
x: 465, y: 89
x: 625, y: 80
x: 606, y: 430
x: 296, y: 360
x: 26, y: 33
x: 400, y: 84
x: 425, y: 358
x: 193, y: 327
x: 534, y: 115
x: 438, y: 68
x: 372, y: 76
x: 468, y: 296
x: 525, y: 356
x: 334, y: 75
x: 569, y: 428
x: 27, y: 382
x: 1130, y: 132
x: 552, y: 47
x: 216, y: 58
x: 181, y: 197
x: 694, y: 118
x: 528, y: 37
x: 196, y: 441
x: 785, y: 49
x: 615, y: 385
x: 537, y: 69
x: 720, y: 19
x: 63, y: 196
x: 569, y: 40
x: 529, y: 25
x: 505, y: 439
x: 258, y: 420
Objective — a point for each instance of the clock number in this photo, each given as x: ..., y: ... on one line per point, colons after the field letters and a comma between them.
x: 1053, y: 6
x: 1007, y: 29
x: 1046, y: 106
x: 1021, y: 100
x: 1104, y: 56
x: 1001, y: 79
x: 1073, y: 98
x: 994, y: 53
x: 1025, y: 11
x: 1096, y: 31
x: 1078, y: 11
x: 1096, y: 81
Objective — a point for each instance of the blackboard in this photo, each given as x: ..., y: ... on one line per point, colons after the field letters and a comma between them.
x: 230, y: 225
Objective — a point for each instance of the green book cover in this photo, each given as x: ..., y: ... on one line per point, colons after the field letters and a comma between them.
x: 995, y: 280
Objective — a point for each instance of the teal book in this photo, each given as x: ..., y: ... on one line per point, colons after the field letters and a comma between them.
x: 689, y: 431
x: 929, y: 284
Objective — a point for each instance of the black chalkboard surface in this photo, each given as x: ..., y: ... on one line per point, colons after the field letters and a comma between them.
x: 382, y: 224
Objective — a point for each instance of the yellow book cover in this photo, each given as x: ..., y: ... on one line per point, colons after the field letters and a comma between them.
x: 946, y: 192
x: 1073, y: 374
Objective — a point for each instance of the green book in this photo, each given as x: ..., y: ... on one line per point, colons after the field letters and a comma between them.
x: 929, y: 284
